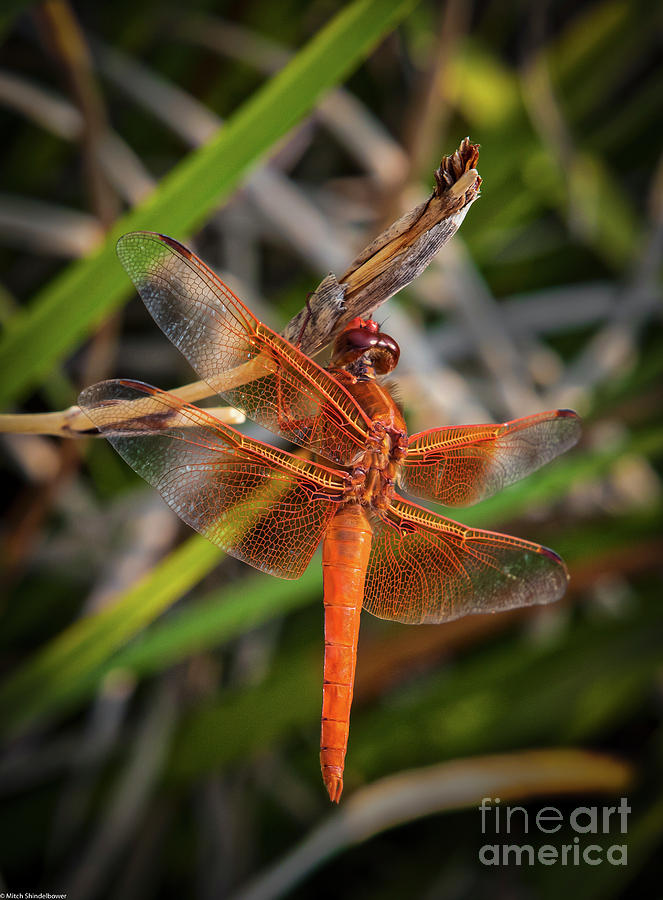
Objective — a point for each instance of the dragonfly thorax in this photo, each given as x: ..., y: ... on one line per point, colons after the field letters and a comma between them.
x: 375, y: 469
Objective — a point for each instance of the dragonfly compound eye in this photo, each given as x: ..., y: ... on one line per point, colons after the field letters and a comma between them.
x: 362, y: 339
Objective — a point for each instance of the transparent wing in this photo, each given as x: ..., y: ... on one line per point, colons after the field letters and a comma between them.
x: 461, y: 465
x: 425, y: 568
x: 251, y: 366
x: 261, y: 505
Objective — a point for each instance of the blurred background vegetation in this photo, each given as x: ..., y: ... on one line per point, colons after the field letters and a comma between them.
x: 160, y: 704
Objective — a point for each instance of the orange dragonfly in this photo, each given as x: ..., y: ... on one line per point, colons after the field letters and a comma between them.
x: 271, y: 508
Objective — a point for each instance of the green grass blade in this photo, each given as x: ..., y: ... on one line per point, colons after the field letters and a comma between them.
x: 88, y: 290
x: 220, y: 616
x: 50, y: 678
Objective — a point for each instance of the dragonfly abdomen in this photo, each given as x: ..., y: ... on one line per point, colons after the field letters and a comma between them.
x: 345, y: 552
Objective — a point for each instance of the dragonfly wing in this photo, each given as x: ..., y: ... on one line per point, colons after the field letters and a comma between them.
x: 426, y: 568
x: 261, y: 505
x: 464, y: 464
x: 251, y: 366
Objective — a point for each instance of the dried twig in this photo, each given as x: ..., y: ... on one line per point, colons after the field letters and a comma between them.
x: 65, y: 36
x: 73, y: 422
x: 389, y: 263
x: 395, y: 258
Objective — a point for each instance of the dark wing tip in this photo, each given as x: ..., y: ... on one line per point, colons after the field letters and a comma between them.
x: 154, y: 235
x: 555, y: 557
x: 96, y: 398
x: 171, y: 242
x: 140, y: 386
x: 107, y: 391
x: 89, y: 397
x: 573, y: 426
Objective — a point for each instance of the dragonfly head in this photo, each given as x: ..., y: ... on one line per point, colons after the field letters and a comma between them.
x: 361, y: 339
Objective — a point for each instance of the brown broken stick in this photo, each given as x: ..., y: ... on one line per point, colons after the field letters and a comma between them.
x: 391, y: 262
x: 395, y: 258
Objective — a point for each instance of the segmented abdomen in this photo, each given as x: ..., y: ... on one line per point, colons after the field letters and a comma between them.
x: 345, y: 551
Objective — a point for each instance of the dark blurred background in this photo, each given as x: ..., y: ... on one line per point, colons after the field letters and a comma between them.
x: 161, y: 712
